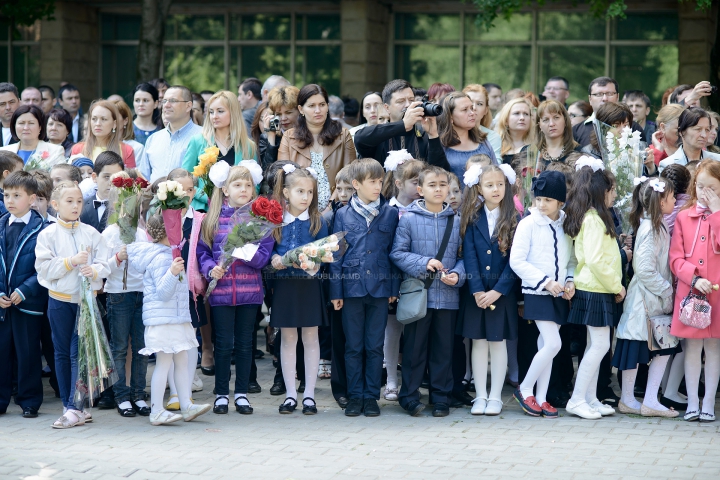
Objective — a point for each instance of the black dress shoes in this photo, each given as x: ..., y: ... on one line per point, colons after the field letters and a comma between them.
x: 220, y: 409
x: 254, y: 387
x: 208, y: 371
x: 463, y: 397
x: 126, y: 412
x: 371, y: 408
x: 278, y: 388
x: 106, y: 403
x: 243, y: 409
x: 354, y: 407
x: 441, y: 410
x: 142, y: 411
x: 29, y: 412
x: 342, y: 402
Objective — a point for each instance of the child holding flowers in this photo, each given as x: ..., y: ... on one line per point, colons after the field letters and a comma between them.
x: 239, y: 292
x: 297, y: 296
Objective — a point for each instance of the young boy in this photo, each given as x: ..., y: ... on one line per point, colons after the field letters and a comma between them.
x: 639, y: 105
x: 9, y: 163
x: 44, y: 192
x: 364, y: 283
x: 62, y: 171
x: 95, y: 209
x: 22, y: 299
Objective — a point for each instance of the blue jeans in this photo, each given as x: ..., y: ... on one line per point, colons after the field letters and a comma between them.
x: 63, y: 317
x: 233, y: 327
x: 364, y: 320
x: 125, y: 318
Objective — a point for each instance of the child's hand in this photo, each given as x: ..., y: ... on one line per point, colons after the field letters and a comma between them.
x: 178, y: 265
x: 337, y: 304
x: 620, y: 296
x: 434, y: 265
x: 450, y: 279
x: 485, y: 299
x: 80, y: 259
x: 15, y: 298
x: 122, y: 254
x: 554, y: 287
x: 713, y: 201
x: 5, y: 301
x: 86, y: 271
x: 277, y: 264
x: 392, y: 300
x: 217, y: 272
x: 704, y: 285
x: 569, y: 290
x: 628, y: 254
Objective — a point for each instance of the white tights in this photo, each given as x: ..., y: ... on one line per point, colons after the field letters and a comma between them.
x: 598, y: 344
x: 655, y: 375
x: 163, y: 364
x: 391, y: 350
x: 693, y: 366
x: 549, y: 344
x: 191, y: 365
x: 288, y: 344
x: 674, y: 376
x: 498, y: 367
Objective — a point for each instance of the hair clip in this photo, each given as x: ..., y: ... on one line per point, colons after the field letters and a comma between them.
x: 471, y: 176
x: 312, y: 172
x: 638, y: 180
x: 255, y: 170
x: 395, y: 158
x: 218, y: 174
x: 509, y: 173
x: 657, y: 185
x: 588, y: 161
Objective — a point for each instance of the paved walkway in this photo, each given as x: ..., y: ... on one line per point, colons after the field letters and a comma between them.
x: 267, y: 445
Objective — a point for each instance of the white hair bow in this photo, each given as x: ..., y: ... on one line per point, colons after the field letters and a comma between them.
x: 396, y: 158
x: 638, y: 180
x: 312, y: 172
x: 657, y: 185
x: 588, y: 161
x: 471, y: 176
x: 255, y: 170
x: 509, y: 173
x: 218, y: 173
x: 289, y: 168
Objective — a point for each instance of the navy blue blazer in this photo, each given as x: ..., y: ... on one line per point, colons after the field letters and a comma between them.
x: 18, y: 273
x: 485, y: 266
x: 89, y: 216
x: 366, y: 268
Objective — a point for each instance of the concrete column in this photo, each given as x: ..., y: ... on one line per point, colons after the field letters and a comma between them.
x: 696, y: 37
x: 69, y: 49
x: 365, y: 26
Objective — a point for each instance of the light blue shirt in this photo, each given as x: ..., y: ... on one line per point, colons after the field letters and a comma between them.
x: 165, y: 150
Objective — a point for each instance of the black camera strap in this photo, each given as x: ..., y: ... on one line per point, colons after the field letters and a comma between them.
x: 443, y: 246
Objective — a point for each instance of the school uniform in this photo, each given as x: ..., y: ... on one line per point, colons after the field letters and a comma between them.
x: 488, y: 269
x: 95, y: 213
x: 21, y: 324
x: 365, y: 279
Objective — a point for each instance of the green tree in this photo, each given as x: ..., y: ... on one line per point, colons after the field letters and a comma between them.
x: 152, y: 34
x: 27, y: 12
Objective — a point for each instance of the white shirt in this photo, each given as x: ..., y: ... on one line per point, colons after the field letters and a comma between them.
x: 101, y: 208
x: 492, y: 217
x: 24, y: 219
x: 6, y: 136
x: 114, y: 282
x: 288, y: 218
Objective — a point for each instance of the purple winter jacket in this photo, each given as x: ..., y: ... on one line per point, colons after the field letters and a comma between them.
x: 242, y: 284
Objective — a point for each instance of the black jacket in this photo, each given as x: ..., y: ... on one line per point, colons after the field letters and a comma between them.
x: 268, y: 153
x: 89, y: 215
x: 582, y: 133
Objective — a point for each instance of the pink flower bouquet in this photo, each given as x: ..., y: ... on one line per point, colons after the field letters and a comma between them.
x: 309, y: 257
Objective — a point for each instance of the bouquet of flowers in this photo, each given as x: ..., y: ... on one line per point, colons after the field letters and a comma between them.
x: 38, y: 161
x: 172, y: 200
x: 249, y: 225
x: 622, y: 156
x: 202, y: 169
x: 532, y: 168
x: 126, y: 200
x: 96, y: 368
x: 309, y: 257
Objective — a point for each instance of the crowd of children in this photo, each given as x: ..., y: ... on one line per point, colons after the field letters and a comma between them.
x: 497, y: 276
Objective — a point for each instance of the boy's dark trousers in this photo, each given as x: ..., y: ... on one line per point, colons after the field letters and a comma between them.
x: 48, y: 351
x: 338, y: 373
x: 21, y: 331
x: 364, y: 320
x: 435, y: 332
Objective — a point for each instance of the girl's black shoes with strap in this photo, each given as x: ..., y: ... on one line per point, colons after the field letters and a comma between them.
x: 126, y: 412
x: 288, y: 407
x: 241, y: 407
x: 309, y: 409
x: 220, y: 409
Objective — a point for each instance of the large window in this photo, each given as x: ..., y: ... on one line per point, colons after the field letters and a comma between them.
x: 20, y: 54
x: 211, y: 52
x: 640, y: 52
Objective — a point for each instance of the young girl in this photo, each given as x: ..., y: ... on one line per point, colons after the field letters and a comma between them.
x: 454, y: 198
x: 680, y: 178
x: 649, y: 293
x: 239, y: 293
x: 695, y: 261
x: 297, y: 297
x: 542, y: 256
x: 598, y: 278
x: 168, y: 327
x: 65, y: 251
x: 401, y: 187
x: 429, y: 341
x: 490, y: 316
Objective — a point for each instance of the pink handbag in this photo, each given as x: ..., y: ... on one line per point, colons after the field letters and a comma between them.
x: 695, y: 309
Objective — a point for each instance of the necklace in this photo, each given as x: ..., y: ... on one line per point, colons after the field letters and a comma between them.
x: 546, y: 155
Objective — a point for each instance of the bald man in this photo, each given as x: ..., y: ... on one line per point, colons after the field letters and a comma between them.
x: 31, y: 96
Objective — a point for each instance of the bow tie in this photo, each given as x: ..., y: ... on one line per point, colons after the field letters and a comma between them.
x: 98, y: 203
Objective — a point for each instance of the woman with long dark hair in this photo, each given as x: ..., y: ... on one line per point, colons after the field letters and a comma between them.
x: 318, y: 141
x: 147, y: 115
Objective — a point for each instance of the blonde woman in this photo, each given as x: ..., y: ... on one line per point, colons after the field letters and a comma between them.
x: 513, y: 126
x: 224, y: 128
x: 479, y: 96
x: 104, y: 132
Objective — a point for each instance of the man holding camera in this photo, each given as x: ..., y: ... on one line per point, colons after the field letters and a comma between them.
x: 402, y: 132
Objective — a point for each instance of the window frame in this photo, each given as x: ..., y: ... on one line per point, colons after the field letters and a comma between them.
x: 7, y: 43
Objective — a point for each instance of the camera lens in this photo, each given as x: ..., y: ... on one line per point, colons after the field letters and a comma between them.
x: 432, y: 109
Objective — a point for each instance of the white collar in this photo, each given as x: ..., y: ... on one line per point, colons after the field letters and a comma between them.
x: 394, y: 203
x: 288, y: 218
x: 494, y: 214
x: 590, y: 118
x: 190, y: 213
x: 24, y: 219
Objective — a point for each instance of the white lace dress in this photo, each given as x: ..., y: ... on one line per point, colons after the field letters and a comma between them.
x: 316, y: 162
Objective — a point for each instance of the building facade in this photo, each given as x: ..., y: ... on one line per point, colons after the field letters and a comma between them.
x: 354, y: 46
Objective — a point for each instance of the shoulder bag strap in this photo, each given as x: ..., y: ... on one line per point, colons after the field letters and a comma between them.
x: 443, y: 246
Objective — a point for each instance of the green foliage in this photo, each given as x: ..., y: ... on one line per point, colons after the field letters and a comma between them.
x: 27, y: 12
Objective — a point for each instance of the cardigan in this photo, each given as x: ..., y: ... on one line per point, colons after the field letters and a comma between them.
x: 599, y: 267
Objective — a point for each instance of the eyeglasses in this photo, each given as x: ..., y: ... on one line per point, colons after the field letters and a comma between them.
x: 173, y: 101
x: 603, y: 94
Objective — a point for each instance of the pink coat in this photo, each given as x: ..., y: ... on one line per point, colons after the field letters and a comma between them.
x: 695, y: 250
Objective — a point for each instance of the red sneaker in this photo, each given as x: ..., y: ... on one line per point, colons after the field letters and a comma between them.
x: 528, y: 404
x: 548, y: 411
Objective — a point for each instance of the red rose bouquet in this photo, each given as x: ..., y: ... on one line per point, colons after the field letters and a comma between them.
x: 125, y: 200
x: 248, y: 226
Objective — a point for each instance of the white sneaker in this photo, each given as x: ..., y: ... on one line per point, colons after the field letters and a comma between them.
x: 163, y: 417
x: 494, y: 407
x: 603, y: 409
x: 265, y: 321
x: 195, y: 410
x: 391, y: 394
x: 583, y: 410
x: 479, y: 406
x: 197, y: 384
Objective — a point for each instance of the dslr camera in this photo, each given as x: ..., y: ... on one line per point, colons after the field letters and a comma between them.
x: 431, y: 109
